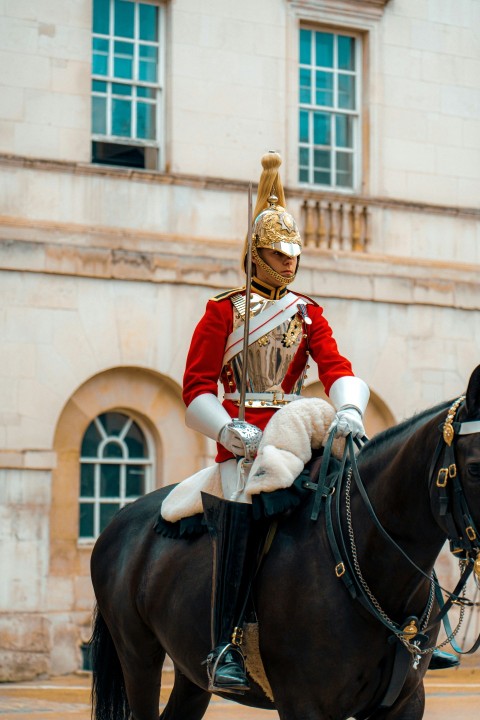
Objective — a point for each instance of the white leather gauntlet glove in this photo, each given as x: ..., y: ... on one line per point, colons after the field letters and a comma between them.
x: 350, y: 396
x: 207, y: 415
x: 348, y: 421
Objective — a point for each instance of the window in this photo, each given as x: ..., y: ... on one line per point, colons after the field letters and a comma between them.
x: 115, y: 469
x: 127, y: 93
x: 329, y: 120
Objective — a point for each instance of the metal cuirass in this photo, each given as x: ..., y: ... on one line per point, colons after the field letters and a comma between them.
x: 270, y: 357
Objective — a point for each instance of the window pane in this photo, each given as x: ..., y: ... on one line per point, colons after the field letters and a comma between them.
x: 321, y: 178
x: 99, y: 115
x: 303, y: 157
x: 87, y: 485
x: 112, y: 450
x: 321, y: 159
x: 321, y: 162
x: 146, y: 92
x: 324, y: 88
x: 113, y: 422
x: 136, y: 443
x: 110, y: 481
x: 123, y: 60
x: 303, y: 126
x: 123, y: 13
x: 344, y: 169
x: 344, y: 131
x: 148, y: 22
x: 321, y: 129
x: 346, y: 53
x: 107, y: 512
x: 135, y: 481
x: 305, y: 86
x: 90, y: 442
x: 86, y: 520
x: 346, y: 91
x: 303, y: 175
x: 147, y: 70
x: 100, y: 57
x: 101, y: 16
x: 306, y: 47
x: 146, y: 121
x: 121, y: 89
x: 324, y: 49
x: 99, y: 86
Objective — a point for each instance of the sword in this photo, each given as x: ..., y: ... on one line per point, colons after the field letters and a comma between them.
x: 249, y: 434
x: 243, y: 382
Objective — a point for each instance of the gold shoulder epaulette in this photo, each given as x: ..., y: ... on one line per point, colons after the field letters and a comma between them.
x: 227, y: 294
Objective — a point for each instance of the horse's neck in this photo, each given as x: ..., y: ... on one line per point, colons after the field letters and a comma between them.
x: 396, y: 478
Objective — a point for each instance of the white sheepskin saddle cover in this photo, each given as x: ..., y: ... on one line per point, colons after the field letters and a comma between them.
x: 284, y: 450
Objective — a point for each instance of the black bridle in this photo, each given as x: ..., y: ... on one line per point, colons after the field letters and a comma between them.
x: 446, y: 491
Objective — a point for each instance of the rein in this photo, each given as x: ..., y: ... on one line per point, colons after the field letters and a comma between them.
x: 462, y: 533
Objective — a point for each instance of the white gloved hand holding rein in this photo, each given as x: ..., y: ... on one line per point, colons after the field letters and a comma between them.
x: 350, y: 396
x: 348, y: 421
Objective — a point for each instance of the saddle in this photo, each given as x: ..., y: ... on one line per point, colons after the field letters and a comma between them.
x: 266, y: 505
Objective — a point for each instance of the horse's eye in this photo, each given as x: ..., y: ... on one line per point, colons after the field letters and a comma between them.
x: 474, y: 469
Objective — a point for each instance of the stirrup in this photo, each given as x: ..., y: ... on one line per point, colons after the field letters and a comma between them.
x: 238, y: 685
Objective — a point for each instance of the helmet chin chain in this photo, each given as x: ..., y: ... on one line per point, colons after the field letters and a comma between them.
x: 273, y: 274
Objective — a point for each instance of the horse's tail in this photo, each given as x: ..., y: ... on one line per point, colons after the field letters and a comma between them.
x: 109, y: 697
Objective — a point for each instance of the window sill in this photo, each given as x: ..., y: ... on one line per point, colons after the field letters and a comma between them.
x: 85, y: 544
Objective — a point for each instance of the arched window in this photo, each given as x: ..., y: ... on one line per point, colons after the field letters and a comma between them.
x: 115, y: 469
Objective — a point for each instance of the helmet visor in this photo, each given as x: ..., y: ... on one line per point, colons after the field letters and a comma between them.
x: 286, y: 248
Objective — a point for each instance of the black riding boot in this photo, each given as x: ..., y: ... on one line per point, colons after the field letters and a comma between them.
x: 230, y: 527
x: 441, y: 660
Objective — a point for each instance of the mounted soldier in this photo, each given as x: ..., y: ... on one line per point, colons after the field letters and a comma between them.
x: 371, y: 644
x: 284, y: 329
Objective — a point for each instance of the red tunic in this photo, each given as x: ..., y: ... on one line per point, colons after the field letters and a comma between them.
x: 204, y: 364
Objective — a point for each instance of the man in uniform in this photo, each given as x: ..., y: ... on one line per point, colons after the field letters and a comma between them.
x: 286, y: 328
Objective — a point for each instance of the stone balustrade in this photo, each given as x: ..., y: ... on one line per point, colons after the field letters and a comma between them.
x: 336, y: 224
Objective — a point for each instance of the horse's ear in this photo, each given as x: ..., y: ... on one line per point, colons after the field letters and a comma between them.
x: 473, y: 394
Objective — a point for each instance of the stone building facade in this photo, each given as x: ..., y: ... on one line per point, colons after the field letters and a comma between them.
x: 129, y: 131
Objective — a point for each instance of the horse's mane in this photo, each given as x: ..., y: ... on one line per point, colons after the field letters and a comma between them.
x: 389, y: 437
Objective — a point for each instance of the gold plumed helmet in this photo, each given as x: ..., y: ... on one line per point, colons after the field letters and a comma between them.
x: 273, y: 226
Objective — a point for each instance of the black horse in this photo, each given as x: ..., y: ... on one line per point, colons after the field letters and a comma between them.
x: 324, y: 653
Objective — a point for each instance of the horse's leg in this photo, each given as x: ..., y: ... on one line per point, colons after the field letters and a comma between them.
x: 409, y: 708
x: 187, y: 701
x: 142, y: 684
x: 141, y: 657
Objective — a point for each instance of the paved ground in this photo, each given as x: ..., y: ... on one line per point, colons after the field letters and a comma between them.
x: 449, y: 694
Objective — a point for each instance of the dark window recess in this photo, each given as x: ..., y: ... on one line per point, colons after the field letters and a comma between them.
x: 86, y: 656
x: 116, y: 154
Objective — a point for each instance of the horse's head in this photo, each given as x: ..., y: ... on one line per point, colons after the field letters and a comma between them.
x: 456, y: 485
x: 467, y: 449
